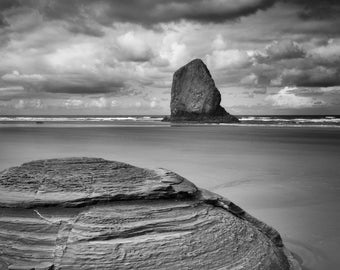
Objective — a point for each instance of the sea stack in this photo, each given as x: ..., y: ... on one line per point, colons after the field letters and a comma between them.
x: 91, y: 213
x: 195, y: 98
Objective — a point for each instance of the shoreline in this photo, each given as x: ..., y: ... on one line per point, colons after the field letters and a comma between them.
x: 151, y: 124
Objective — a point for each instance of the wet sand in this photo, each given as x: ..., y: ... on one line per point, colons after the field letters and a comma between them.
x: 287, y: 177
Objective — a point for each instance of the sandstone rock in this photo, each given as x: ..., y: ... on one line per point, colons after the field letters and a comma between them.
x: 90, y: 213
x: 194, y: 96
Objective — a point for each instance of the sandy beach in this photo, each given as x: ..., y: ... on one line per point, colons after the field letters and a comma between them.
x: 285, y: 176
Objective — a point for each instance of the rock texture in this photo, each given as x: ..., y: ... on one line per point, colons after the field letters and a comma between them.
x: 90, y: 213
x: 194, y: 96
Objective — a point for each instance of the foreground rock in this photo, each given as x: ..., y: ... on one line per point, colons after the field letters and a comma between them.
x: 89, y: 213
x: 194, y: 96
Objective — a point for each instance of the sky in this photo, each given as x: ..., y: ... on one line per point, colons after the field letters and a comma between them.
x: 113, y: 57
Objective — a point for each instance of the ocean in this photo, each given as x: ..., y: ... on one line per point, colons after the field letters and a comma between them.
x: 282, y: 169
x: 274, y: 120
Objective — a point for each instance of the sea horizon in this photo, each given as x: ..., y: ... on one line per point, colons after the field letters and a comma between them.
x: 293, y: 120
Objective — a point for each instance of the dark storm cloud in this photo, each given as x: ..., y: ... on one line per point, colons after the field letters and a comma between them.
x: 317, y: 77
x: 3, y: 21
x: 100, y: 88
x: 82, y: 85
x: 79, y: 26
x: 62, y: 84
x: 7, y: 4
x: 149, y: 12
x: 4, y: 5
x: 146, y: 12
x: 316, y: 17
x: 317, y: 9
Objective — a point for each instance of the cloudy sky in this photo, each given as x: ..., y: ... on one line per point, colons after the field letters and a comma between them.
x: 118, y: 57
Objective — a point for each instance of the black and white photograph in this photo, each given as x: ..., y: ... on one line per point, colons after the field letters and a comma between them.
x: 169, y: 134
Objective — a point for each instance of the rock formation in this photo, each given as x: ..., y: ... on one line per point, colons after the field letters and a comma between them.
x: 194, y: 96
x: 90, y: 213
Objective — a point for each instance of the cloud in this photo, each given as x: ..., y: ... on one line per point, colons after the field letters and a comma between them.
x: 173, y: 52
x: 11, y: 88
x: 3, y: 21
x: 81, y: 84
x: 101, y: 102
x: 67, y: 83
x: 315, y: 9
x: 85, y: 27
x: 315, y: 91
x: 328, y: 54
x: 255, y: 80
x: 147, y: 12
x: 306, y: 92
x: 218, y: 43
x: 287, y: 63
x: 7, y: 4
x: 29, y: 103
x: 154, y: 103
x: 286, y: 98
x: 228, y: 59
x: 10, y: 92
x: 15, y: 76
x: 285, y: 49
x: 133, y: 48
x: 318, y: 76
x: 314, y: 17
x: 249, y: 80
x: 73, y: 103
x: 81, y: 89
x: 260, y: 91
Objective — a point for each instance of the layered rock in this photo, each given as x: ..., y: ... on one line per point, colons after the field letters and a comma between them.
x: 194, y: 96
x: 90, y: 213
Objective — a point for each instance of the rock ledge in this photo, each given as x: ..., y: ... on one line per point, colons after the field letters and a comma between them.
x: 90, y: 213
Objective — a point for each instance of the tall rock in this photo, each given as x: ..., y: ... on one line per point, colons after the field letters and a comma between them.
x: 91, y: 213
x: 194, y: 96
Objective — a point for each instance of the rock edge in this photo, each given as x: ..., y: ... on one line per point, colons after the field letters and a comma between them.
x: 34, y: 194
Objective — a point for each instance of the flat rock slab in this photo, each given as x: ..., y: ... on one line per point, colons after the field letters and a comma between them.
x: 90, y: 213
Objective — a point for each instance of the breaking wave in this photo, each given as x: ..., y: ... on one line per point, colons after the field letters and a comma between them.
x: 292, y: 120
x: 78, y: 118
x: 246, y: 120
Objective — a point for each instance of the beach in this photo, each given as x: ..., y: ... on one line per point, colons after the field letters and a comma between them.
x: 286, y: 176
